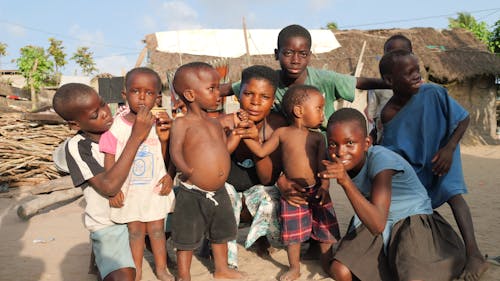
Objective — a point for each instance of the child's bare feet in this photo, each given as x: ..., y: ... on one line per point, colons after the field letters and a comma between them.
x: 229, y: 273
x: 163, y: 275
x: 475, y: 267
x: 291, y: 274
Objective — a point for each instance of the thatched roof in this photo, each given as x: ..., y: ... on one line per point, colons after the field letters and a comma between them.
x: 446, y: 55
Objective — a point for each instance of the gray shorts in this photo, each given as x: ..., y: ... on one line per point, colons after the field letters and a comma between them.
x: 196, y: 216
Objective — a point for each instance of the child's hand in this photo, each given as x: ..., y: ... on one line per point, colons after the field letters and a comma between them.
x: 240, y: 116
x: 442, y: 161
x: 142, y: 125
x: 334, y: 170
x: 293, y: 193
x: 247, y: 130
x: 117, y: 200
x: 166, y: 185
x: 163, y: 124
x: 323, y: 196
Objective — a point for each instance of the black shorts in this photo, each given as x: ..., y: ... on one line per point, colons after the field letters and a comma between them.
x: 196, y: 216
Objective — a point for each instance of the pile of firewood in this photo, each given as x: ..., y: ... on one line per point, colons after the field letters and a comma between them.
x: 26, y: 150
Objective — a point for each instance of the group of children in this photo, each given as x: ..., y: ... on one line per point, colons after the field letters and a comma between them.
x: 127, y: 169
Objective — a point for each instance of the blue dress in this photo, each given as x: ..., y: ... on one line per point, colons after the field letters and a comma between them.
x: 419, y: 130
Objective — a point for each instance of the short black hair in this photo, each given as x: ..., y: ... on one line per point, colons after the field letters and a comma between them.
x: 295, y: 95
x: 388, y: 61
x: 144, y: 70
x: 398, y: 37
x: 260, y: 72
x: 180, y: 83
x: 68, y: 97
x: 293, y: 30
x: 347, y: 114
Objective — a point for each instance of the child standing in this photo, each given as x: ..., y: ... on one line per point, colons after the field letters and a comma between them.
x: 146, y: 197
x: 424, y: 125
x: 302, y: 151
x: 200, y: 151
x: 394, y: 234
x: 86, y: 112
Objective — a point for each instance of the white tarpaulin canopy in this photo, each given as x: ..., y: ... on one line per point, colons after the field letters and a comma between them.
x: 231, y: 42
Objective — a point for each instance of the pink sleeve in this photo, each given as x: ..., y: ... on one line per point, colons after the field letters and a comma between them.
x: 107, y: 143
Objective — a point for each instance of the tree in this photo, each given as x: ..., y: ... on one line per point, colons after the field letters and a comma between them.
x: 332, y: 26
x: 495, y: 38
x: 56, y: 51
x: 35, y: 66
x: 467, y: 21
x: 3, y: 50
x: 84, y: 58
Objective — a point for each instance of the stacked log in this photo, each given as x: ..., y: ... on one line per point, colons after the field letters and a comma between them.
x: 26, y: 150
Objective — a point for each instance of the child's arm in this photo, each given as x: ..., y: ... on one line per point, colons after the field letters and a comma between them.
x: 373, y: 213
x: 263, y: 150
x: 443, y: 158
x: 163, y: 124
x: 110, y: 182
x: 177, y: 136
x: 322, y: 193
x: 364, y: 83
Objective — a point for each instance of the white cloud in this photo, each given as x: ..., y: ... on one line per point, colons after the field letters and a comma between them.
x: 318, y: 5
x: 16, y: 30
x: 93, y: 39
x: 116, y: 65
x: 177, y: 15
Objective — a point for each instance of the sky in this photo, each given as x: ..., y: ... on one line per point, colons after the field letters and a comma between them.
x: 114, y: 30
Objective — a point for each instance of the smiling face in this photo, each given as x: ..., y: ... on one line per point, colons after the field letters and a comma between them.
x: 349, y: 143
x: 405, y: 76
x: 93, y: 117
x: 257, y: 98
x: 313, y: 109
x: 294, y: 56
x: 141, y: 90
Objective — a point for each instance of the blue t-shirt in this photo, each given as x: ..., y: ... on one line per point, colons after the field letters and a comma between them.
x: 408, y: 196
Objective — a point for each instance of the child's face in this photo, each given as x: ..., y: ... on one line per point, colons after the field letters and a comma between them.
x: 142, y: 90
x: 405, y: 77
x: 94, y: 116
x: 349, y: 144
x: 294, y: 56
x: 313, y: 110
x: 257, y: 98
x: 207, y: 92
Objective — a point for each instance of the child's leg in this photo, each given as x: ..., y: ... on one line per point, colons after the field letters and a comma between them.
x: 184, y: 265
x: 340, y: 272
x: 137, y: 233
x: 220, y: 261
x: 326, y: 254
x: 293, y: 252
x: 157, y: 239
x: 476, y: 263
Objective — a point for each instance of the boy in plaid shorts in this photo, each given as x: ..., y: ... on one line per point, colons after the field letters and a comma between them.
x: 302, y: 150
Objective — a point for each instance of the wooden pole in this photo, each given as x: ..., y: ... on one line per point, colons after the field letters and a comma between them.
x: 141, y: 57
x: 248, y: 60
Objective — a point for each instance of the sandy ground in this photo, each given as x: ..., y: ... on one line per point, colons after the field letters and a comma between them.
x: 65, y: 253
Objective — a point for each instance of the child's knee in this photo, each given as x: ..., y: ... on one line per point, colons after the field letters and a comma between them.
x: 157, y: 233
x: 136, y: 234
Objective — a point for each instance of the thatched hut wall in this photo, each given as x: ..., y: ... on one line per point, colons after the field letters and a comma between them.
x: 452, y: 58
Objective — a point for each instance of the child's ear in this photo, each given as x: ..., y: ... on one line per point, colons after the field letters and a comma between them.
x: 298, y: 110
x: 368, y: 142
x: 276, y: 54
x: 189, y: 95
x: 74, y: 125
x: 388, y: 79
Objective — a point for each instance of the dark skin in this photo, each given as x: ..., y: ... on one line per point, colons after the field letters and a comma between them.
x: 347, y: 146
x: 197, y: 134
x: 142, y: 94
x: 405, y: 80
x: 93, y: 119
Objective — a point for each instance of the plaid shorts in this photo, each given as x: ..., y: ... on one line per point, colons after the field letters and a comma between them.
x: 316, y: 221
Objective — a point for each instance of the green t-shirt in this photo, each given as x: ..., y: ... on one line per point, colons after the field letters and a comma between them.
x: 331, y: 84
